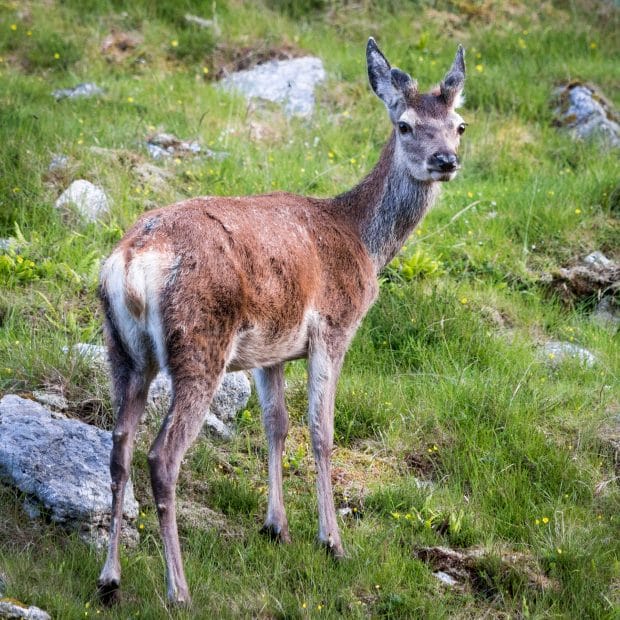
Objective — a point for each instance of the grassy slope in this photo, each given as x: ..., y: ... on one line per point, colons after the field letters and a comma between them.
x: 443, y: 380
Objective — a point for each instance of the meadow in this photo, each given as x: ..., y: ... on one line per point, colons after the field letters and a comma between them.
x: 452, y: 429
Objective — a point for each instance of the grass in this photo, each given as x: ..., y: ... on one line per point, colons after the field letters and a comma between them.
x: 443, y: 383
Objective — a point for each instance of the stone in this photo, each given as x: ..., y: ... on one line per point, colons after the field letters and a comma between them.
x: 557, y: 352
x: 446, y: 579
x: 290, y: 83
x: 81, y: 91
x: 232, y: 395
x: 13, y: 610
x: 90, y: 200
x: 201, y: 22
x: 586, y: 113
x: 7, y: 244
x: 164, y: 145
x: 51, y: 399
x: 607, y: 313
x: 59, y: 164
x: 62, y: 466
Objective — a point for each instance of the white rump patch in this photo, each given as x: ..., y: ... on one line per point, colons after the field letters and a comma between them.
x: 141, y: 282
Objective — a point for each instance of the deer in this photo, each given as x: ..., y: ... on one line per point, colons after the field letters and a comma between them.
x: 214, y: 284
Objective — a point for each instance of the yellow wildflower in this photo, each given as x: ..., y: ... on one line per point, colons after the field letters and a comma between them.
x: 13, y: 27
x: 479, y: 68
x: 545, y: 520
x: 56, y: 55
x: 174, y: 43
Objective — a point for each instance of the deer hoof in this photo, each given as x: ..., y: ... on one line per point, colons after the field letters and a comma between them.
x: 333, y: 549
x: 276, y: 533
x: 109, y: 593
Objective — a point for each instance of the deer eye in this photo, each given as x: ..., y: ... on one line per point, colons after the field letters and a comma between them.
x: 461, y: 128
x: 404, y: 127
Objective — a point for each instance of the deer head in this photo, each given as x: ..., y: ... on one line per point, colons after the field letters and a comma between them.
x: 427, y: 127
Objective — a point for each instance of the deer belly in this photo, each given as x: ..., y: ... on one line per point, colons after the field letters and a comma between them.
x: 259, y: 347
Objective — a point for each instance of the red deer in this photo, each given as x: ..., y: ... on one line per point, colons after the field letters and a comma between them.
x: 218, y: 283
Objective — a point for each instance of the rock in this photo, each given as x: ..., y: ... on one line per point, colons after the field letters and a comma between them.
x: 7, y: 244
x: 163, y: 145
x: 586, y: 113
x: 446, y: 579
x: 3, y: 582
x: 290, y: 83
x: 202, y: 22
x: 51, y: 399
x: 594, y: 275
x: 62, y: 465
x: 606, y: 314
x: 90, y: 200
x: 58, y: 165
x: 81, y: 91
x: 200, y: 517
x: 10, y: 608
x: 153, y: 176
x: 231, y: 396
x: 557, y: 352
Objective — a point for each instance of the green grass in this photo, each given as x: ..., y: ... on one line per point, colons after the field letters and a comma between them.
x: 443, y: 383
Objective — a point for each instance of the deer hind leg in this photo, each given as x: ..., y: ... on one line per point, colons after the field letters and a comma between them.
x: 270, y: 388
x: 193, y: 389
x: 324, y: 364
x: 130, y: 388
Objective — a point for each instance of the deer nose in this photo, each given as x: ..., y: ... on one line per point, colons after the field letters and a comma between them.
x: 446, y: 162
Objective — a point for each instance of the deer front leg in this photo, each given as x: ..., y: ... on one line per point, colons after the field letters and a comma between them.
x: 270, y: 387
x: 324, y: 363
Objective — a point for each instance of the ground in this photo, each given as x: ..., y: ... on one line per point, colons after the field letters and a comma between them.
x: 452, y: 429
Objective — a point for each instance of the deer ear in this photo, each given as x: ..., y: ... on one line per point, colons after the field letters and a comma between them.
x: 392, y: 86
x: 452, y: 85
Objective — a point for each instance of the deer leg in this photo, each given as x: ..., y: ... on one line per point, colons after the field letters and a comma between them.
x: 270, y: 388
x: 130, y: 388
x: 324, y: 364
x: 192, y: 396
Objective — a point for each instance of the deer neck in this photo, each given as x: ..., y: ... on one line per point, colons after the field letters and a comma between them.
x: 387, y: 205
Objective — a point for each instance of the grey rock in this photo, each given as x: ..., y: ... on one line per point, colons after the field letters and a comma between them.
x: 51, y: 399
x: 290, y: 83
x: 13, y: 610
x: 606, y: 314
x: 63, y: 466
x: 7, y: 244
x: 446, y: 579
x: 59, y: 163
x: 164, y: 145
x: 90, y: 200
x: 81, y: 91
x: 599, y: 259
x: 586, y: 113
x: 557, y: 352
x: 231, y: 396
x: 202, y: 22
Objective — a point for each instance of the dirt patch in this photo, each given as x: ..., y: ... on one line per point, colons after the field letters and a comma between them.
x: 229, y: 58
x: 476, y: 569
x: 118, y: 46
x: 593, y: 276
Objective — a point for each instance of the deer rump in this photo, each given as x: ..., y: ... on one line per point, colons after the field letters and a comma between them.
x: 253, y: 274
